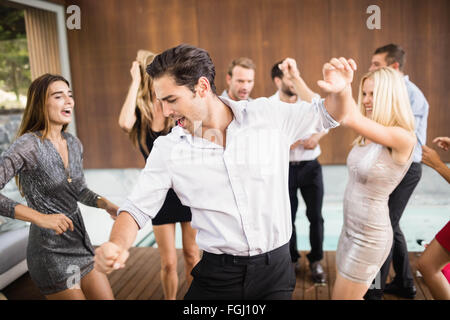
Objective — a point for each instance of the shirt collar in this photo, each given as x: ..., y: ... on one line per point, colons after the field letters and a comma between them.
x: 277, y: 96
x: 237, y: 107
x: 225, y: 94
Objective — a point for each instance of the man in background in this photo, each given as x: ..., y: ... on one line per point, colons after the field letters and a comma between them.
x: 305, y: 173
x: 240, y: 79
x: 393, y: 56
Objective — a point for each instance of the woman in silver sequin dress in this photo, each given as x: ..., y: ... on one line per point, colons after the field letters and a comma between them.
x: 47, y: 164
x: 377, y: 163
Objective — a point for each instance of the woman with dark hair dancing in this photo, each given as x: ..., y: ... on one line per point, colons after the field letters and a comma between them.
x: 47, y: 164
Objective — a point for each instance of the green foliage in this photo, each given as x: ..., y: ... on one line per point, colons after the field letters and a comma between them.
x: 12, y: 23
x: 15, y: 72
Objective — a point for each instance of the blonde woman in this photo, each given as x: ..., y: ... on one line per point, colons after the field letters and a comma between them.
x: 142, y: 118
x: 48, y: 165
x: 379, y: 159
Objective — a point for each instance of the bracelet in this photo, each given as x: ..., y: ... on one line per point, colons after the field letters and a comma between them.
x: 99, y: 198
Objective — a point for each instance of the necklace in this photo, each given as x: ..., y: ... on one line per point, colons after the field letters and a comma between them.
x: 67, y: 170
x: 69, y: 179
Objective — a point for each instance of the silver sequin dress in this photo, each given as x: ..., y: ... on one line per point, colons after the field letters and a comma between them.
x: 55, y: 262
x: 366, y: 237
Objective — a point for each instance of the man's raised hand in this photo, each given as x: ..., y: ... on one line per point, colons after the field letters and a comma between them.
x: 337, y: 75
x: 289, y: 68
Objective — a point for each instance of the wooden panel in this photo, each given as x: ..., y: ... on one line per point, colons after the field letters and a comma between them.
x: 226, y: 32
x: 42, y: 41
x: 311, y: 31
x: 101, y: 54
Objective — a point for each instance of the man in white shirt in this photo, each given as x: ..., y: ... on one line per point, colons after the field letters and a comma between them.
x: 240, y: 79
x: 305, y: 173
x: 228, y: 161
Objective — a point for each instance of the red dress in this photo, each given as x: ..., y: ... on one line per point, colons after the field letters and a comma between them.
x: 443, y: 236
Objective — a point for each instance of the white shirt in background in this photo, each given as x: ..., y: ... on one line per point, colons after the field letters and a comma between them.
x: 300, y: 153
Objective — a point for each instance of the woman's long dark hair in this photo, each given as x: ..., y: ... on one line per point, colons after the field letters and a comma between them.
x: 35, y: 116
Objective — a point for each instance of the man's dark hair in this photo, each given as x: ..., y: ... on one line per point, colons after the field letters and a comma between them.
x: 186, y: 64
x: 276, y: 71
x: 395, y: 53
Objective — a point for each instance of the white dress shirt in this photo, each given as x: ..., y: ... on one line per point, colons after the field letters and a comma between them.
x: 299, y: 153
x: 238, y: 195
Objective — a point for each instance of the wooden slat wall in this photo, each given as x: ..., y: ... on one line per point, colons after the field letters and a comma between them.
x: 42, y: 41
x: 311, y: 31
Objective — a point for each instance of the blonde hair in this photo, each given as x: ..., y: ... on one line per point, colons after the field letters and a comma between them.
x: 144, y: 102
x: 391, y: 107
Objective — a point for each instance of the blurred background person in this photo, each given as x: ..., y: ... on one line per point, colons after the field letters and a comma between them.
x: 240, y: 79
x: 142, y: 118
x: 305, y: 171
x: 437, y: 255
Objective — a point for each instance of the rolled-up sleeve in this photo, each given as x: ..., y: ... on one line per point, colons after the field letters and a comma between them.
x: 303, y: 119
x: 149, y: 193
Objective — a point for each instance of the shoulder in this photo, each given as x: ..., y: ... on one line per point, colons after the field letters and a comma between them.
x: 260, y: 108
x: 73, y: 140
x: 169, y: 140
x: 27, y: 140
x: 406, y: 138
x: 411, y: 85
x: 29, y: 137
x: 71, y: 137
x: 259, y: 104
x: 414, y: 93
x: 275, y: 96
x: 23, y: 145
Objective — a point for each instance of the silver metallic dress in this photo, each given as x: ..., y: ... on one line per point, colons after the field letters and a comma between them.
x: 366, y: 236
x: 55, y: 262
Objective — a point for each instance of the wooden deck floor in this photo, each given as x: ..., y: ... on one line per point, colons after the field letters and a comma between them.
x: 140, y: 280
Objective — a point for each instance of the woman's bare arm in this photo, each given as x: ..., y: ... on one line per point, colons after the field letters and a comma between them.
x: 127, y: 116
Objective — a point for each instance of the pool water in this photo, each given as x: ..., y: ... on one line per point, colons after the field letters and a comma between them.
x: 428, y: 210
x: 417, y: 223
